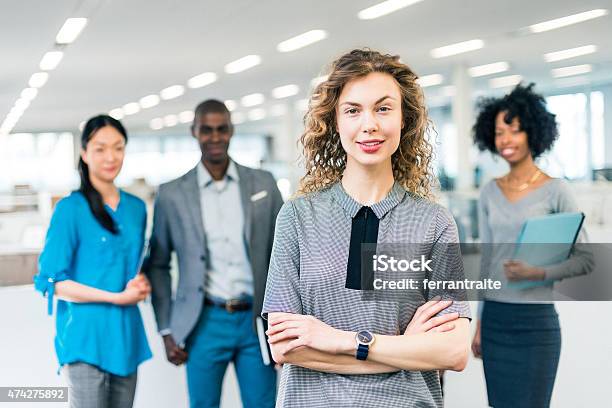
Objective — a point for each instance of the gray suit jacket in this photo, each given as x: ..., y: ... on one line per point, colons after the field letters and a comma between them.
x: 177, y: 227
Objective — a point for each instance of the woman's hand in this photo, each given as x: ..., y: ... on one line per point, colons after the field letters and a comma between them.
x: 304, y: 330
x: 476, y: 349
x: 141, y: 282
x: 131, y: 295
x: 518, y: 271
x: 423, y: 320
x: 136, y: 290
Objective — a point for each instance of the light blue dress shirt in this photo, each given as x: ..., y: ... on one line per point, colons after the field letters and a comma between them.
x: 78, y: 248
x: 229, y: 274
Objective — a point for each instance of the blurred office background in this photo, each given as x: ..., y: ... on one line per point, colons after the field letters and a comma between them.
x: 149, y: 63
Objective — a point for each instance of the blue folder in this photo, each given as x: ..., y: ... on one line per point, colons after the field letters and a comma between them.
x: 546, y: 240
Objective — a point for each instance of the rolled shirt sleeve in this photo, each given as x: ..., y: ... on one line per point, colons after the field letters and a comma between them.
x: 58, y: 253
x: 282, y: 287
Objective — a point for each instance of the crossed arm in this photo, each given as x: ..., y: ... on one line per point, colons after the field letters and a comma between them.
x: 429, y: 343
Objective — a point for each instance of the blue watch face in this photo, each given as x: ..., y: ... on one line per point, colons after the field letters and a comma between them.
x: 364, y: 337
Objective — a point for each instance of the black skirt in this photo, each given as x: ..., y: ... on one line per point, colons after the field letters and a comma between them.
x: 521, y: 344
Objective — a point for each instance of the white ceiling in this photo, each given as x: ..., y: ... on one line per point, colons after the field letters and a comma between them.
x: 133, y: 48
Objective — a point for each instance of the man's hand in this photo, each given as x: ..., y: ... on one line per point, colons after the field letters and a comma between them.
x: 423, y: 320
x: 174, y: 353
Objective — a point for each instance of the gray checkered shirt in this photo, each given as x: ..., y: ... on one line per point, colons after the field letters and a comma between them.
x: 307, y: 276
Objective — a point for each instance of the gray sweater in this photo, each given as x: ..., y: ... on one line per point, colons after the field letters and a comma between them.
x: 500, y: 221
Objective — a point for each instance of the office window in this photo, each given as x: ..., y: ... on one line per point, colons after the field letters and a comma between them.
x: 157, y: 159
x: 448, y: 150
x: 250, y: 150
x: 569, y: 156
x: 598, y: 148
x: 444, y: 141
x: 44, y: 161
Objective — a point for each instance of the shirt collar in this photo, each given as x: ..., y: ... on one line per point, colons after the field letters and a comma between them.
x: 380, y: 209
x: 121, y: 199
x: 204, y: 177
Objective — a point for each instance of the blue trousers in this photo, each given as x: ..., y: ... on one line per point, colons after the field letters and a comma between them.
x: 221, y: 337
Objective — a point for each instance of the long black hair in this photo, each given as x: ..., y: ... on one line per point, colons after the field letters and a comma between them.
x: 93, y: 196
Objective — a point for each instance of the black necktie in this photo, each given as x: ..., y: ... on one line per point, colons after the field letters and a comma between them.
x: 364, y: 230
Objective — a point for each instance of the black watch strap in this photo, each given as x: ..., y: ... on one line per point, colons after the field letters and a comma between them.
x: 362, y: 351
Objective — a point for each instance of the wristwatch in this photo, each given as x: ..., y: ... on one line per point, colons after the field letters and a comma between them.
x: 364, y: 340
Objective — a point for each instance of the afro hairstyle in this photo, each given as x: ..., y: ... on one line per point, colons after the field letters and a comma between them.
x: 533, y: 117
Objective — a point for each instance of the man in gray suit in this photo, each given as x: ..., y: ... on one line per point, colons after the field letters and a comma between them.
x: 219, y: 219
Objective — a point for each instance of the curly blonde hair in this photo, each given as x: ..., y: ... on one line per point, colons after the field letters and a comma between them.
x: 325, y: 159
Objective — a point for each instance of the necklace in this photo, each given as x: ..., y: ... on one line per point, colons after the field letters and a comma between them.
x: 526, y: 184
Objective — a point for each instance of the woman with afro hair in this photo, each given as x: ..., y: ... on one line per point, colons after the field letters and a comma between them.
x: 519, y: 340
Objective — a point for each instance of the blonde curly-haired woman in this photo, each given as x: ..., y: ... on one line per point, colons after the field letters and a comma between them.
x: 368, y: 180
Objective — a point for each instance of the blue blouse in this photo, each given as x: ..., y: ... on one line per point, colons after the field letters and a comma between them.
x: 78, y: 248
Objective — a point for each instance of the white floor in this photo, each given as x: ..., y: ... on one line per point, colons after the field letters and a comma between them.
x: 27, y: 358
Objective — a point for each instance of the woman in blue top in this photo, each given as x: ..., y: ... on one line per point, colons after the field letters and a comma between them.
x: 90, y: 262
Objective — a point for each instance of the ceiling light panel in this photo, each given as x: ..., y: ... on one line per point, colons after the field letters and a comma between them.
x: 202, y: 80
x: 231, y: 105
x: 302, y: 40
x: 505, y: 81
x: 170, y: 120
x: 130, y: 108
x: 566, y: 21
x: 156, y: 123
x: 457, y: 48
x: 29, y: 93
x: 570, y: 53
x: 384, y: 8
x: 172, y: 92
x: 70, y: 30
x: 252, y: 100
x: 243, y: 64
x: 285, y: 91
x: 571, y: 71
x: 430, y: 80
x: 38, y: 79
x: 489, y: 69
x: 117, y: 113
x: 51, y: 60
x: 186, y: 116
x: 148, y: 101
